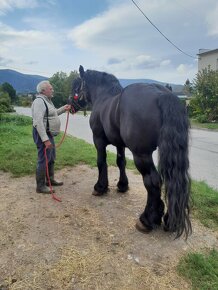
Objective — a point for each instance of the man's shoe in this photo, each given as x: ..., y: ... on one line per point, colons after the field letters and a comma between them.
x: 43, y: 189
x: 55, y: 183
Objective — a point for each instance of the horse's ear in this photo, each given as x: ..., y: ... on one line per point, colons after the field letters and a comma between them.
x: 81, y: 71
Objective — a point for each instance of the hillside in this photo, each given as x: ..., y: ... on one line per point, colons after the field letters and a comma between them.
x: 24, y: 83
x: 177, y: 89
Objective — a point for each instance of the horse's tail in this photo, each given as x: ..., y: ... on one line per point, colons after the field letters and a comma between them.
x: 174, y: 163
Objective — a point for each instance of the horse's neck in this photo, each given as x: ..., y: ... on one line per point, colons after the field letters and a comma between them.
x: 100, y: 93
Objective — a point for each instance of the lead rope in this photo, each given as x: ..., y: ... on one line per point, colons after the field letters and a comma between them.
x: 55, y: 197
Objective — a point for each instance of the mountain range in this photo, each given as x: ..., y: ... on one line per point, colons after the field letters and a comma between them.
x: 22, y: 83
x: 25, y: 83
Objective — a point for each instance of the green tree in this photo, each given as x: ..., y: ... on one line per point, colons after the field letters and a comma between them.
x: 204, y: 104
x: 187, y: 88
x: 5, y: 102
x: 62, y: 83
x: 6, y: 87
x: 72, y: 76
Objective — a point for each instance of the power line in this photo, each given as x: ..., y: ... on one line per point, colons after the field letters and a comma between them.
x: 161, y: 32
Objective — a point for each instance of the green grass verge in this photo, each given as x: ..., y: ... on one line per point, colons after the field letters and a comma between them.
x: 200, y: 269
x: 205, y: 204
x: 210, y: 126
x: 18, y: 152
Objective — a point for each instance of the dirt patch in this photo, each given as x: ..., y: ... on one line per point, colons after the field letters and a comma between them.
x: 86, y: 242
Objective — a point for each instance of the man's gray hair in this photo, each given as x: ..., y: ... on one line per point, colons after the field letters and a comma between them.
x: 41, y: 86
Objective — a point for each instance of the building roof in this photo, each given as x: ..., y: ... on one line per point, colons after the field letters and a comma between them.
x: 207, y: 51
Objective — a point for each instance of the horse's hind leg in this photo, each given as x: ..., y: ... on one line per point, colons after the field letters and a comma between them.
x: 154, y: 210
x: 121, y: 163
x: 101, y: 185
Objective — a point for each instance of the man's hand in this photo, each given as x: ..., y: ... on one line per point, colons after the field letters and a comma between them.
x: 48, y: 144
x: 67, y: 108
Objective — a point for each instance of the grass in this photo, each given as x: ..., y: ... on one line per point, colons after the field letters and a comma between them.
x: 205, y: 204
x: 18, y: 152
x: 210, y: 126
x: 200, y: 269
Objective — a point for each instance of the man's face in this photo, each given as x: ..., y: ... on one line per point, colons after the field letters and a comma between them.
x: 48, y: 91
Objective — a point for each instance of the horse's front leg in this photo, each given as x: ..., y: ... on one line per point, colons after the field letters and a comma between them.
x: 101, y: 186
x: 122, y: 184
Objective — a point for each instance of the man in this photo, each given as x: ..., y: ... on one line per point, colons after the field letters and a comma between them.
x: 46, y: 125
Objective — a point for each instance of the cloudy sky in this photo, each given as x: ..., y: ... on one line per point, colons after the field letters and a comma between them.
x: 46, y: 36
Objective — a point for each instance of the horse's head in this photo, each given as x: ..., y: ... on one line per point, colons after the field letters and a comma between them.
x: 80, y: 95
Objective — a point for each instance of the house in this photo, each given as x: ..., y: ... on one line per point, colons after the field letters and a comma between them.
x: 207, y: 57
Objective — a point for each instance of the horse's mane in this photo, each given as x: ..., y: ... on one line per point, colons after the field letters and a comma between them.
x: 104, y: 79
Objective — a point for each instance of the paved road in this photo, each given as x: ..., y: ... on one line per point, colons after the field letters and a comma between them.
x: 203, y: 146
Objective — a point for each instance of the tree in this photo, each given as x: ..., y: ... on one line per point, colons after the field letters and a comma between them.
x: 62, y: 87
x: 204, y: 104
x: 5, y: 102
x: 187, y: 88
x: 169, y: 87
x: 6, y: 87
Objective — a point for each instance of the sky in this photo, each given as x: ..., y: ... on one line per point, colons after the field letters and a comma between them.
x: 42, y: 37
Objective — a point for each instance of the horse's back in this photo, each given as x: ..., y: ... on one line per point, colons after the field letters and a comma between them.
x: 140, y: 117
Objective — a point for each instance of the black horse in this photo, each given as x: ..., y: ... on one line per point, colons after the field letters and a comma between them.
x: 141, y: 117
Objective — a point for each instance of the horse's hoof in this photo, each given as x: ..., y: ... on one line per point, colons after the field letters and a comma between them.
x: 96, y: 193
x: 142, y: 228
x: 122, y: 190
x: 166, y: 228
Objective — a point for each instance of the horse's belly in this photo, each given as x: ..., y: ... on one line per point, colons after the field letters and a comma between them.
x: 140, y: 137
x: 114, y: 137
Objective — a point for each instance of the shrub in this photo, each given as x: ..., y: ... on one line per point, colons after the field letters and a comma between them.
x: 204, y: 104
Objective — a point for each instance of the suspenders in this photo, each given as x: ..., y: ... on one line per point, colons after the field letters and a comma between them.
x: 47, y: 123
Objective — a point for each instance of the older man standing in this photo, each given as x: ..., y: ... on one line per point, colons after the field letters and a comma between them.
x: 46, y: 125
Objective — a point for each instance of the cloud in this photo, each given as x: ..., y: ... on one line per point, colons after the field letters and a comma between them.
x: 28, y: 38
x: 212, y: 21
x: 28, y: 48
x: 4, y: 61
x: 9, y: 5
x: 114, y: 60
x: 122, y: 33
x: 127, y: 43
x: 185, y: 71
x: 165, y: 62
x: 119, y: 40
x: 122, y: 30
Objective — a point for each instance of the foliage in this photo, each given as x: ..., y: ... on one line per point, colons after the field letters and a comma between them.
x: 204, y: 105
x: 14, y: 120
x: 201, y: 269
x: 188, y: 89
x: 211, y: 126
x: 24, y: 101
x: 5, y: 102
x: 7, y: 88
x: 62, y: 87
